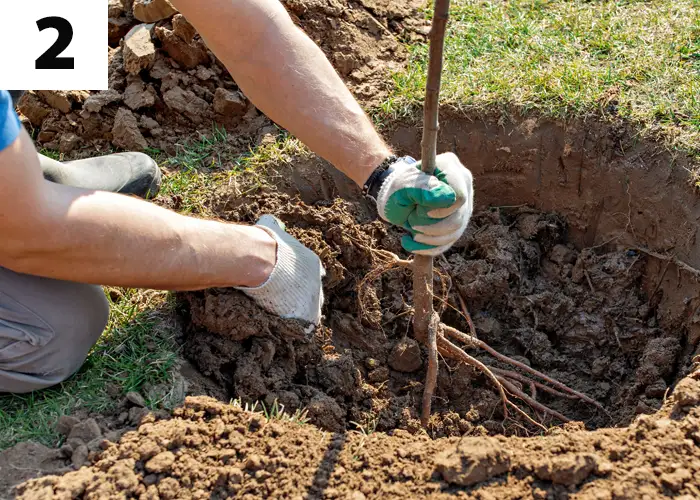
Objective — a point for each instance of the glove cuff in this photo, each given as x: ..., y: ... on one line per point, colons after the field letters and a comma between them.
x: 281, y: 293
x: 381, y: 189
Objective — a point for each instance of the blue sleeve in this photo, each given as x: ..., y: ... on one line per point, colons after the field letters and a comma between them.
x: 9, y: 121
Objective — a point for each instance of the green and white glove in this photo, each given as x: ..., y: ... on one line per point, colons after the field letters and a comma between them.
x: 293, y: 289
x: 435, y: 209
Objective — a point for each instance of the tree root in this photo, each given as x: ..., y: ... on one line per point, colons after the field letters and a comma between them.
x: 504, y: 379
x: 532, y: 383
x: 432, y: 372
x: 530, y: 402
x: 679, y: 263
x: 449, y: 350
x: 508, y: 383
x: 474, y: 342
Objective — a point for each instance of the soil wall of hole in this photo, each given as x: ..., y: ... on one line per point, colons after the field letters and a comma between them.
x: 555, y: 269
x: 613, y: 189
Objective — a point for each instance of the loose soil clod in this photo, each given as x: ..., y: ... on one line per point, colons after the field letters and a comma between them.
x: 215, y: 450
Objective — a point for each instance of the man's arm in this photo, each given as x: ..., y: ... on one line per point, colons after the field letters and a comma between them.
x: 289, y: 78
x: 72, y: 234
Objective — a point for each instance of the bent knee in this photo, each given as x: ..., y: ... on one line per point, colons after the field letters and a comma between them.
x: 46, y: 338
x: 74, y: 340
x: 95, y: 311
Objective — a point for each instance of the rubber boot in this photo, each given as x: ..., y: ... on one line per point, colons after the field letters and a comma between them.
x: 127, y: 173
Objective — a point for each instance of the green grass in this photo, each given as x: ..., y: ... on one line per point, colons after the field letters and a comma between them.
x: 53, y: 154
x: 136, y: 351
x: 203, y: 165
x: 638, y: 60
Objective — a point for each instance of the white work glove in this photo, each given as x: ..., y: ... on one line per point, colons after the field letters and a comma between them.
x: 293, y: 289
x: 435, y: 209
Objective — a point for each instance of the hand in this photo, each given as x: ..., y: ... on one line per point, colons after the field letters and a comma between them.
x: 293, y: 289
x: 435, y: 209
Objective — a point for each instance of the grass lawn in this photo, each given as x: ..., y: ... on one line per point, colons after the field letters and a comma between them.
x: 635, y: 60
x: 136, y: 349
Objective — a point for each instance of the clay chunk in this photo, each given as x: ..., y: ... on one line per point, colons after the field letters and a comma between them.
x: 139, y: 51
x: 151, y: 11
x: 473, y: 461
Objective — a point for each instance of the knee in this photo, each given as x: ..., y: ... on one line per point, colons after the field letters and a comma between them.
x: 47, y: 330
x: 74, y: 340
x: 95, y: 310
x: 75, y: 331
x: 91, y: 313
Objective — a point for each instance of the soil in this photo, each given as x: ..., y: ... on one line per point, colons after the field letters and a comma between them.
x: 595, y: 317
x: 214, y: 450
x: 580, y: 316
x: 166, y: 87
x: 555, y: 270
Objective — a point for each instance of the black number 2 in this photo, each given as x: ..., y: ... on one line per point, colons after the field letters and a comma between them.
x: 50, y: 59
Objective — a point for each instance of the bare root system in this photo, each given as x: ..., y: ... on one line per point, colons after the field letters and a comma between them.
x: 511, y: 384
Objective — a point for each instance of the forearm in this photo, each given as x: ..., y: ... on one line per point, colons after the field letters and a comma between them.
x: 110, y: 239
x: 289, y: 78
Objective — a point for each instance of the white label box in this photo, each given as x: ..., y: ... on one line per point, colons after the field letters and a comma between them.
x: 53, y: 45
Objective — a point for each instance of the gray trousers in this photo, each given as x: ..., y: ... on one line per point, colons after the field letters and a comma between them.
x: 47, y: 328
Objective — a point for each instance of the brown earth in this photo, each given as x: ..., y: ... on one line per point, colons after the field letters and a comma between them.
x: 559, y: 277
x: 599, y: 313
x: 166, y: 86
x: 580, y: 316
x: 213, y: 450
x: 521, y: 279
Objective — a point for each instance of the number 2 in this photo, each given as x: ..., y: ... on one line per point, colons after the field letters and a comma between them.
x: 50, y: 59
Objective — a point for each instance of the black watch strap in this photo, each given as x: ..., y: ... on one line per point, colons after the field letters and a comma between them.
x: 371, y: 187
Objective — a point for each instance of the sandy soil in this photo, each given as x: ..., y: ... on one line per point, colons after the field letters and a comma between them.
x: 212, y: 450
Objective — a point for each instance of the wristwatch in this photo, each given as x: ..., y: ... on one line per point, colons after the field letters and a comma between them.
x: 385, y: 168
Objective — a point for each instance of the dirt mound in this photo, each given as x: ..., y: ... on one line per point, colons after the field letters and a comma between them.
x: 83, y: 435
x: 213, y: 450
x: 165, y: 85
x: 577, y: 315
